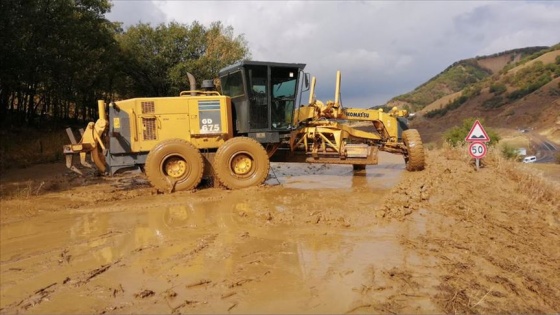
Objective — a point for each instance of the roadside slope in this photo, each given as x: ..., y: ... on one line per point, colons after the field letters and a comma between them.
x: 493, y: 234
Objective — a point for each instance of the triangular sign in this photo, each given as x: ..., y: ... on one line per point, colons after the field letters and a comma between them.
x: 477, y: 133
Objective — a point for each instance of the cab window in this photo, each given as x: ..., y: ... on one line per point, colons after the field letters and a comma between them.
x: 232, y: 84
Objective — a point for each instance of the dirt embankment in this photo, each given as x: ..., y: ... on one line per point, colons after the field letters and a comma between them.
x: 492, y: 235
x: 315, y: 239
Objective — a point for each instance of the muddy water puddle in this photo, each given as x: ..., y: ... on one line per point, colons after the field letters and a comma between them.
x: 332, y: 176
x: 308, y: 243
x: 205, y: 251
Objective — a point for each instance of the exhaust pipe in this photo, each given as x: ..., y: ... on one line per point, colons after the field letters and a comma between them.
x: 192, y: 84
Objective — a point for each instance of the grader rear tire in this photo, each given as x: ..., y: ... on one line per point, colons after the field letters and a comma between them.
x: 174, y: 165
x: 414, y: 158
x: 241, y: 162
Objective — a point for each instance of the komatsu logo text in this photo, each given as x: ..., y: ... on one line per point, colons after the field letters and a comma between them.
x: 357, y: 115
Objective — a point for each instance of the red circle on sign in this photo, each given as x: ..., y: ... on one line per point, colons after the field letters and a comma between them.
x: 477, y: 149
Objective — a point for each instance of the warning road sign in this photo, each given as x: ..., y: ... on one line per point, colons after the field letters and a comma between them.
x: 478, y: 150
x: 477, y: 133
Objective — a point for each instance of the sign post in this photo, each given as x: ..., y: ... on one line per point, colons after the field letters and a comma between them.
x: 477, y: 138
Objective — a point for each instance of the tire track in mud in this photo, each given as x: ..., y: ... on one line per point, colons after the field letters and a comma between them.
x: 63, y: 250
x: 181, y: 293
x: 47, y: 292
x: 40, y: 267
x: 80, y: 278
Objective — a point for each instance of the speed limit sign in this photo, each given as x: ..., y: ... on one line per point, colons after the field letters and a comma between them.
x: 477, y: 149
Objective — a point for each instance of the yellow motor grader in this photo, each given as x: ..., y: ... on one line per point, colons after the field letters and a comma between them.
x: 231, y: 136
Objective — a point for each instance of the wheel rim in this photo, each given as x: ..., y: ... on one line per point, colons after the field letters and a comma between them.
x: 175, y: 167
x: 241, y: 164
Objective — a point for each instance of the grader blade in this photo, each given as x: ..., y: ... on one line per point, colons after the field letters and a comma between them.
x: 70, y: 166
x: 83, y: 160
x: 88, y: 144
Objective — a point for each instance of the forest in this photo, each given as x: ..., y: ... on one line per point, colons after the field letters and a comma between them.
x: 58, y: 57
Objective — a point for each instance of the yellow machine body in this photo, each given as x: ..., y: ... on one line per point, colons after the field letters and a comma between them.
x: 204, y: 121
x: 179, y: 140
x: 128, y: 130
x: 327, y: 135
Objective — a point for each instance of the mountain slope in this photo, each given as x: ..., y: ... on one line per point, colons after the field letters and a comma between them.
x: 460, y: 75
x: 523, y: 92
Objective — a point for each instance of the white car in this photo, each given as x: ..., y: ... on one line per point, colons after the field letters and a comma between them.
x: 530, y: 159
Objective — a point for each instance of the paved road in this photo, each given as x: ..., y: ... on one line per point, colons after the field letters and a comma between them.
x: 546, y: 150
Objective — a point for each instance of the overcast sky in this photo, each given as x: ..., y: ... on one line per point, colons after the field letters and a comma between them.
x: 383, y: 48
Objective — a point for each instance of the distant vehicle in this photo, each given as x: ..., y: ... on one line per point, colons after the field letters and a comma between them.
x: 530, y: 159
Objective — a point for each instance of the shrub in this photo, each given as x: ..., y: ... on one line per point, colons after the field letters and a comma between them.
x: 456, y: 136
x: 554, y: 91
x: 494, y: 102
x: 450, y: 106
x: 498, y: 88
x: 509, y: 152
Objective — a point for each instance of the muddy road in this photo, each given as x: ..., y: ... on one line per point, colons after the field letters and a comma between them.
x: 314, y: 239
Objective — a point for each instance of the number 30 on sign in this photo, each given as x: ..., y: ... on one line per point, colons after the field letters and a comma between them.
x: 477, y: 149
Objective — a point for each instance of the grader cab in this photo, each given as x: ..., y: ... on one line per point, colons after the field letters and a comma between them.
x: 231, y: 136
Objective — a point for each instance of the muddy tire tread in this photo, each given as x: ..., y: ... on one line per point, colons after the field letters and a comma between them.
x: 415, y: 148
x: 168, y: 148
x: 233, y: 146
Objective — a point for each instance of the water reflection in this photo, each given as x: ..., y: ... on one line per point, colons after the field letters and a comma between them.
x: 333, y: 176
x: 273, y: 267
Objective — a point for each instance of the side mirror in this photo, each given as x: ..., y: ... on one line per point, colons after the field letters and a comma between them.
x: 305, y: 81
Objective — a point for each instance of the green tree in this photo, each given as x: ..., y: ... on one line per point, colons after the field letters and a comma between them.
x: 60, y: 56
x: 156, y: 60
x: 54, y: 55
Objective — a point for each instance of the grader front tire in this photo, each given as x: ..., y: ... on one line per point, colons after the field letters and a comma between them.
x: 174, y: 165
x: 414, y: 158
x: 241, y: 162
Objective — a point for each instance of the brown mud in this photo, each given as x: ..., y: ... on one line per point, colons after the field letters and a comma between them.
x: 314, y: 239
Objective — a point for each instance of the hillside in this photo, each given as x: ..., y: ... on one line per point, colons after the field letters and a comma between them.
x: 518, y: 89
x: 460, y: 75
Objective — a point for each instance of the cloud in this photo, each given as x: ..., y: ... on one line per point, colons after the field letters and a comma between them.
x: 383, y: 48
x: 132, y: 12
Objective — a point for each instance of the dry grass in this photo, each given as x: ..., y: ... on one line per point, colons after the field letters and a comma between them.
x: 23, y: 190
x: 531, y: 181
x: 504, y: 222
x: 516, y: 142
x: 21, y: 149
